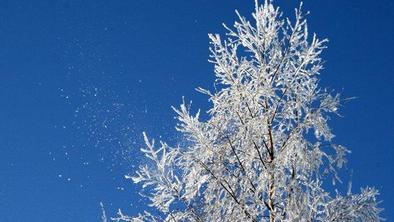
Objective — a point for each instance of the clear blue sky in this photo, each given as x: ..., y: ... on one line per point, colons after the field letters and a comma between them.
x: 80, y: 81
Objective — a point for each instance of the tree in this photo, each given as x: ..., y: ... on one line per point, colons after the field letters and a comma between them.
x: 266, y: 150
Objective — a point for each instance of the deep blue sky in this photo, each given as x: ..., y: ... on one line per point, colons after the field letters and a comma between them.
x: 80, y: 81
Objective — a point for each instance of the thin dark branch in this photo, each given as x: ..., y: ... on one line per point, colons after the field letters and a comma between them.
x: 229, y: 190
x: 240, y: 163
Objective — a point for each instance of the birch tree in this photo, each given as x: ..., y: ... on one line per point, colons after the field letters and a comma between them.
x: 266, y: 150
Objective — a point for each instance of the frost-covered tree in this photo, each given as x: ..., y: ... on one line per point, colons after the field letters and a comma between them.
x: 265, y: 151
